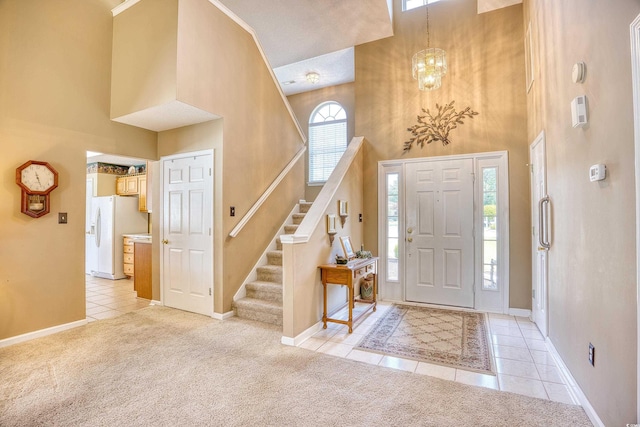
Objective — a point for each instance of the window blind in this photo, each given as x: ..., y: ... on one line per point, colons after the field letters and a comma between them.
x: 327, y: 143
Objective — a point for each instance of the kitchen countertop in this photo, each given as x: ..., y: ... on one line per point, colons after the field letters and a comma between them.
x: 139, y: 237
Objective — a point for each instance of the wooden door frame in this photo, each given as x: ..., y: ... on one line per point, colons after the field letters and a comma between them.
x: 398, y: 166
x: 161, y: 218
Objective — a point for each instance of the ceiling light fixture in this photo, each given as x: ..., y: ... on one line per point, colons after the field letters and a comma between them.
x: 429, y: 65
x: 313, y: 77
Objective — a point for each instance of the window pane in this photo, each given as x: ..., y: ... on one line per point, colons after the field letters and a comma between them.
x: 489, y: 228
x: 393, y: 227
x: 327, y: 140
x: 412, y: 4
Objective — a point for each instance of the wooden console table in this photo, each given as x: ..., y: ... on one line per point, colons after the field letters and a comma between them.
x: 345, y: 275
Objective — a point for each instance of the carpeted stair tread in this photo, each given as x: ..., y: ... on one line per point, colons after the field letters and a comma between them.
x: 269, y: 291
x: 304, y: 207
x: 278, y: 244
x: 270, y: 273
x: 259, y: 310
x: 290, y: 229
x: 275, y: 257
x: 298, y: 217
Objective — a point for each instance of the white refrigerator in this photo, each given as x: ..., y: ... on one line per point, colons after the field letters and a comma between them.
x: 111, y: 217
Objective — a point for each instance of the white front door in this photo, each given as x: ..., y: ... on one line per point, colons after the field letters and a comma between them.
x: 187, y: 233
x: 539, y: 219
x: 439, y: 266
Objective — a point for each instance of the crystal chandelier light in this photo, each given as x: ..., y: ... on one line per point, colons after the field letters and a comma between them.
x: 430, y: 64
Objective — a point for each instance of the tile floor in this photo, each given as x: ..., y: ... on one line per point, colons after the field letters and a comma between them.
x: 109, y: 298
x: 523, y: 364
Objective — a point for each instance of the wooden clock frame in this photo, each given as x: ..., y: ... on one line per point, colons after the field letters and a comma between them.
x: 29, y: 197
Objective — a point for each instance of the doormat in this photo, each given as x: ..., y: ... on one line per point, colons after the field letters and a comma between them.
x: 458, y: 339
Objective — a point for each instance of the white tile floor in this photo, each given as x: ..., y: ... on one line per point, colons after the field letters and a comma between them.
x: 523, y: 363
x: 110, y: 298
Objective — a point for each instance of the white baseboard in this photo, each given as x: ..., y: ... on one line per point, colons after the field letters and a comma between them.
x: 41, y: 333
x: 574, y: 389
x: 296, y: 341
x: 520, y: 312
x: 154, y: 302
x: 223, y: 316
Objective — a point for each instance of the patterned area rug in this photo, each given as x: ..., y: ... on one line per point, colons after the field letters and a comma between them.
x: 445, y: 337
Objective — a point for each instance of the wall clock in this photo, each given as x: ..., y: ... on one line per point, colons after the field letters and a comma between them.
x: 37, y: 180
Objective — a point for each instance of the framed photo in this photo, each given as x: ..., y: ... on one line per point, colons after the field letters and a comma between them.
x: 331, y: 223
x: 347, y: 247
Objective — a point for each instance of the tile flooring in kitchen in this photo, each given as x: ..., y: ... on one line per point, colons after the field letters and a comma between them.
x: 110, y: 298
x: 523, y: 363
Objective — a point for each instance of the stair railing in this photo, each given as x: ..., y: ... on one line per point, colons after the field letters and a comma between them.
x: 251, y: 212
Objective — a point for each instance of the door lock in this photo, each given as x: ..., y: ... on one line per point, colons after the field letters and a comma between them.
x: 409, y: 230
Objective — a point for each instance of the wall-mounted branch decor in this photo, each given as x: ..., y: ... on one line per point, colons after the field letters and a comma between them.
x: 436, y: 128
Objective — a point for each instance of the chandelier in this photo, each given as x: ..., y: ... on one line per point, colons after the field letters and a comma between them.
x: 429, y: 65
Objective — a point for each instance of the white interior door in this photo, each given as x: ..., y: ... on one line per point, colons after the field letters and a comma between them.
x: 187, y: 277
x: 439, y: 248
x: 539, y: 219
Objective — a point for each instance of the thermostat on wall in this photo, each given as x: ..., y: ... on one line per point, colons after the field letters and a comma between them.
x: 597, y: 172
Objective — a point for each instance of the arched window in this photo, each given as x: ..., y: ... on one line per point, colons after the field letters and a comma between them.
x: 327, y: 140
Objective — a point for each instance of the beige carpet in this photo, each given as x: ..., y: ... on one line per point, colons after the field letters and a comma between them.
x: 453, y: 338
x: 163, y: 367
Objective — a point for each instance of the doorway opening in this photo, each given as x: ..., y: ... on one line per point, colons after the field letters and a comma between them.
x: 117, y: 214
x: 443, y: 231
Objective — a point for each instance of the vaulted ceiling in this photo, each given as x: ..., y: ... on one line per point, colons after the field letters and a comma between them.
x: 301, y: 36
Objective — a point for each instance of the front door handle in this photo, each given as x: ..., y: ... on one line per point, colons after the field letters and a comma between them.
x: 409, y: 239
x: 165, y: 242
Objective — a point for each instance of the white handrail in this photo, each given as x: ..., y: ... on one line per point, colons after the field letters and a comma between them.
x: 245, y: 219
x: 317, y: 211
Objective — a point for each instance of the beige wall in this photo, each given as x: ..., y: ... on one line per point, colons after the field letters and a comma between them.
x: 55, y: 70
x: 303, y: 298
x: 222, y: 71
x: 592, y: 279
x: 218, y: 69
x: 486, y: 72
x: 152, y: 47
x: 303, y: 105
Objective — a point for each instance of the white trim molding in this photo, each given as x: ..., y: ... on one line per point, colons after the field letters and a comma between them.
x: 574, y: 389
x: 520, y: 312
x: 635, y: 73
x: 223, y: 316
x: 300, y: 338
x: 41, y: 333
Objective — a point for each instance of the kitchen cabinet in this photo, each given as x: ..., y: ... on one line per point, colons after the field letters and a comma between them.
x: 135, y: 185
x: 142, y: 193
x: 142, y: 278
x: 128, y: 185
x: 128, y: 256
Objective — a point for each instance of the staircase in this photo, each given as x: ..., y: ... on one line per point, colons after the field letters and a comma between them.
x: 264, y: 295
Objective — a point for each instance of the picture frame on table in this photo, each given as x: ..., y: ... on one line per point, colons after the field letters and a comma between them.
x: 347, y: 247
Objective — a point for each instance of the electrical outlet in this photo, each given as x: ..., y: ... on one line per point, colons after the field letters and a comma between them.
x: 232, y: 211
x: 592, y: 354
x: 360, y: 217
